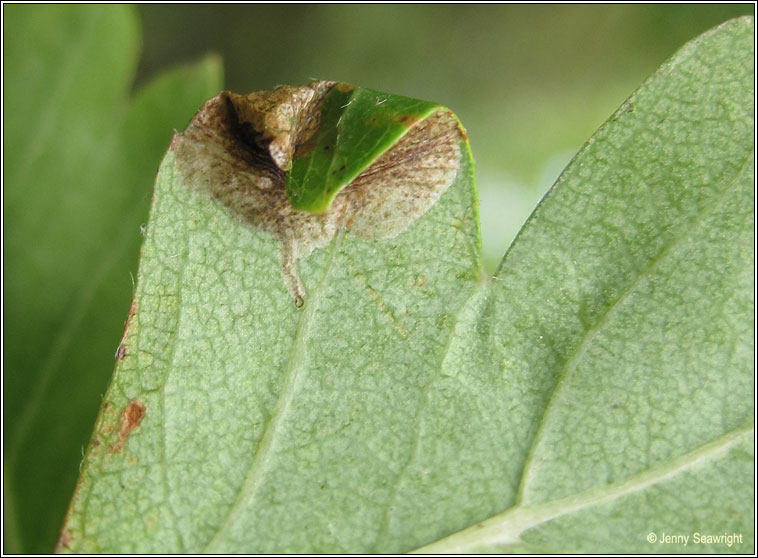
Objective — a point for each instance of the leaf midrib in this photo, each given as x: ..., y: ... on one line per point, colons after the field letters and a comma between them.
x: 263, y: 449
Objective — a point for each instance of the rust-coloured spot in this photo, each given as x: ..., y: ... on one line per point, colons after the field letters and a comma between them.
x: 131, y: 417
x: 344, y: 87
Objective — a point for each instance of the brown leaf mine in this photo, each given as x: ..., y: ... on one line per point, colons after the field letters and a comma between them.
x: 280, y: 120
x: 238, y: 148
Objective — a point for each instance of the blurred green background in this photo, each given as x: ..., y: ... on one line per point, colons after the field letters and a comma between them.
x: 88, y: 115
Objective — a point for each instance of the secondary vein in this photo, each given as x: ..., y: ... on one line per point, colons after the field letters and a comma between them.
x: 507, y: 527
x: 571, y: 363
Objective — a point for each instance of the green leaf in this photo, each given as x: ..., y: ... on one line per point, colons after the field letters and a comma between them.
x: 79, y: 156
x: 596, y: 390
x: 358, y: 125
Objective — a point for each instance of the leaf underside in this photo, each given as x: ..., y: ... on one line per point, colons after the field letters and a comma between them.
x: 597, y: 389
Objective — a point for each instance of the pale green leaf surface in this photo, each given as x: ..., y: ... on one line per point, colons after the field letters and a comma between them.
x: 597, y: 389
x: 79, y: 158
x: 625, y: 310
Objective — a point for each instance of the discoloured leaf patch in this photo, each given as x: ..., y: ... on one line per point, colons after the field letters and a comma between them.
x: 280, y: 120
x: 131, y: 417
x: 239, y: 148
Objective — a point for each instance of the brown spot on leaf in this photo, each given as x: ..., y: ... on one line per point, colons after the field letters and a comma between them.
x: 131, y: 417
x: 237, y: 149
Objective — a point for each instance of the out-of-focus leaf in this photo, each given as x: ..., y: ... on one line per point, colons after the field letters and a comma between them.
x: 79, y: 154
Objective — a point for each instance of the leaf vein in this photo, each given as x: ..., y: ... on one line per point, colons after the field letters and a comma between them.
x: 265, y: 443
x: 590, y: 333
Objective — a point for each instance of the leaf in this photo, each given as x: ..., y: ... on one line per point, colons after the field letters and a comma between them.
x: 597, y: 389
x: 237, y: 150
x: 79, y: 155
x: 358, y: 125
